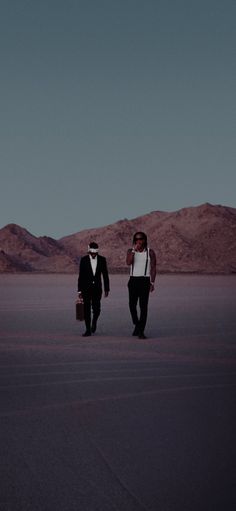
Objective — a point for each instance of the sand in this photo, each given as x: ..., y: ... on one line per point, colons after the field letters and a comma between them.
x: 114, y: 422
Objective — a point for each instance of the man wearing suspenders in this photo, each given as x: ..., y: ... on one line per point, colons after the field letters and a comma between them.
x: 142, y: 262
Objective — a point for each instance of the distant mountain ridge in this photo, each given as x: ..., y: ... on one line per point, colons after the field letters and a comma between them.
x: 21, y: 251
x: 199, y: 239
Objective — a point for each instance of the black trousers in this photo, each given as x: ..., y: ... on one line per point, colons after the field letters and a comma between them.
x: 92, y: 300
x: 139, y: 288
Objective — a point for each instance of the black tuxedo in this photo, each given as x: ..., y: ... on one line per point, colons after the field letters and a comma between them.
x: 91, y: 286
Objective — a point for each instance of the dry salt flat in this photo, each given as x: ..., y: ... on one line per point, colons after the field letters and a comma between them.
x: 112, y: 422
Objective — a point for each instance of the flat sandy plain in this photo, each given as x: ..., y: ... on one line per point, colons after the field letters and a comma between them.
x: 112, y: 422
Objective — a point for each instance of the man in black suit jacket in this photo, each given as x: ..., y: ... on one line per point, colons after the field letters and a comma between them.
x: 92, y: 268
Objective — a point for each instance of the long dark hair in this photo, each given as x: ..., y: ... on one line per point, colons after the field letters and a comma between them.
x: 141, y: 235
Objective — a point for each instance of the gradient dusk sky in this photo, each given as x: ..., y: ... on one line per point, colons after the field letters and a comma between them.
x: 111, y: 109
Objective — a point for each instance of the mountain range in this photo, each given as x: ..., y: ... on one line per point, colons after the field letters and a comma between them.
x: 199, y: 239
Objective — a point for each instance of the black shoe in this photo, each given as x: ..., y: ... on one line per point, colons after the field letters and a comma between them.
x: 142, y: 335
x: 94, y: 327
x: 87, y: 333
x: 136, y: 330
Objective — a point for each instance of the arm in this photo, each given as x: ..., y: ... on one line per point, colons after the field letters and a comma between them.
x: 80, y: 277
x: 105, y: 278
x: 153, y: 270
x: 130, y: 256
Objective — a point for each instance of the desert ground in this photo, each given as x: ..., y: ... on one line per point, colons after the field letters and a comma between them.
x: 112, y: 422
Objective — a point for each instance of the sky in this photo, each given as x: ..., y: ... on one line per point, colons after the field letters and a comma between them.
x: 111, y: 109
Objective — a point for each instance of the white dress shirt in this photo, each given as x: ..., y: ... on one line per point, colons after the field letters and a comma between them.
x: 93, y: 262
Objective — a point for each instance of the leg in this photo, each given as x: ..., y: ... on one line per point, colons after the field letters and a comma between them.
x: 133, y: 299
x: 96, y: 307
x: 87, y: 312
x: 143, y: 302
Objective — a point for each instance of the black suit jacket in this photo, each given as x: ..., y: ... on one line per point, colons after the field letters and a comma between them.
x: 86, y: 278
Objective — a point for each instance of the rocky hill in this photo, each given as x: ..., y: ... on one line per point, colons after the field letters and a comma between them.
x: 199, y: 239
x: 20, y: 251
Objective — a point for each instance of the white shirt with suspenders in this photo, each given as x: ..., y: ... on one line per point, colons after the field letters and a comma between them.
x: 141, y: 264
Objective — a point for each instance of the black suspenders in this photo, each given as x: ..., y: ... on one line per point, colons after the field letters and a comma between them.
x: 146, y: 264
x: 145, y: 273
